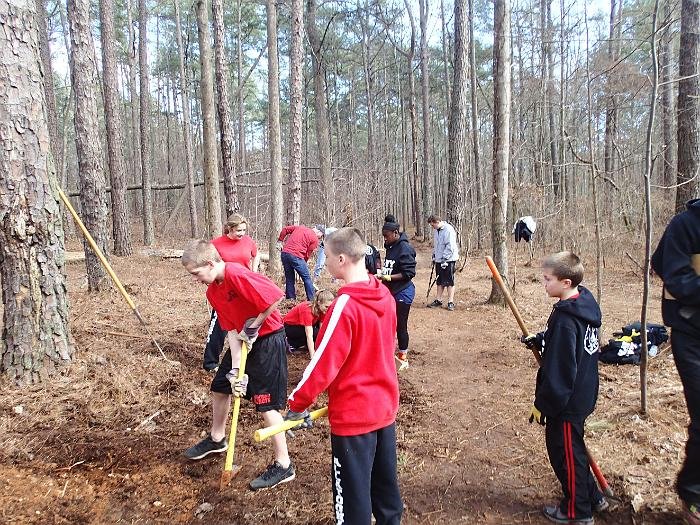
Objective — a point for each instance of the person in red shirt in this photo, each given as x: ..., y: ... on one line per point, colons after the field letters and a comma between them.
x: 236, y: 247
x: 246, y: 303
x: 354, y: 362
x: 301, y: 324
x: 299, y: 243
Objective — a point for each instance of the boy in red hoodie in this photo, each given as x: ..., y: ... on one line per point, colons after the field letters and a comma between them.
x: 354, y: 361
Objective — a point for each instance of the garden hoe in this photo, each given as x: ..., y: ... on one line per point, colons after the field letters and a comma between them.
x: 264, y: 433
x: 230, y: 469
x: 602, y: 482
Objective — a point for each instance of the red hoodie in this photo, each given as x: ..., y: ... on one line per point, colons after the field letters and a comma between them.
x: 354, y: 361
x: 301, y: 243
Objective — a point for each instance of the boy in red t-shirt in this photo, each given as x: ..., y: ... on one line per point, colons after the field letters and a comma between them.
x: 354, y: 362
x: 302, y: 322
x: 247, y: 306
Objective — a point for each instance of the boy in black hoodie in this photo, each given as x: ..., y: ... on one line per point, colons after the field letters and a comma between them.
x: 397, y: 273
x: 567, y: 386
x: 677, y: 261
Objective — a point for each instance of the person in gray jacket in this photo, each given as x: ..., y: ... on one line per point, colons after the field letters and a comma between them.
x: 445, y: 257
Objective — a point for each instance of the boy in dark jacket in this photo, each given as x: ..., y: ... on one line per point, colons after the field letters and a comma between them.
x: 354, y: 362
x: 677, y: 261
x: 567, y: 386
x: 397, y: 273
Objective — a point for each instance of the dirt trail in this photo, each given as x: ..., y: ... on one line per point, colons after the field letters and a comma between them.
x: 79, y: 451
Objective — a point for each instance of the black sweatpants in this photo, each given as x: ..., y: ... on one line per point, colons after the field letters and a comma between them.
x: 364, y: 478
x: 567, y: 455
x: 402, y: 312
x: 296, y: 334
x: 215, y: 343
x: 686, y: 354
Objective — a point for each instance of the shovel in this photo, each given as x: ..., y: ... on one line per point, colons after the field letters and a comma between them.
x: 264, y: 433
x: 230, y: 470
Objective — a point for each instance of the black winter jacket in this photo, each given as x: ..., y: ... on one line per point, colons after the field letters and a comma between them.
x: 567, y: 381
x: 677, y: 261
x: 400, y: 258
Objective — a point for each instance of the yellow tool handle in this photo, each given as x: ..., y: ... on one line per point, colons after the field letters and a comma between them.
x: 264, y: 433
x: 228, y: 466
x: 96, y: 249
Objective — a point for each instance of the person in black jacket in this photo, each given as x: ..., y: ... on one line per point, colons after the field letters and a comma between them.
x: 677, y: 261
x: 567, y: 386
x: 397, y: 272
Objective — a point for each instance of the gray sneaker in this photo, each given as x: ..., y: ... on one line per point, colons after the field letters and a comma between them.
x: 601, y: 505
x: 205, y: 447
x: 435, y: 304
x: 273, y: 475
x: 451, y: 306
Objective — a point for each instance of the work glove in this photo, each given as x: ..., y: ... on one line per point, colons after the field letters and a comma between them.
x: 386, y: 277
x: 249, y: 333
x: 279, y: 245
x: 443, y: 264
x: 532, y: 341
x: 239, y: 387
x: 304, y: 419
x: 536, y: 415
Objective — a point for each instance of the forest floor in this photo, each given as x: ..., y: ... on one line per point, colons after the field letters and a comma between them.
x: 103, y: 443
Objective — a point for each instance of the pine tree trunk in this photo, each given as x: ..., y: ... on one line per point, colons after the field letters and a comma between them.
x: 428, y: 183
x: 145, y: 128
x: 93, y: 194
x: 274, y: 137
x: 668, y: 161
x: 688, y: 104
x: 133, y: 96
x: 212, y: 195
x: 185, y: 103
x: 416, y: 186
x: 224, y: 109
x: 114, y: 126
x: 296, y: 86
x: 240, y: 96
x: 321, y: 113
x: 36, y: 336
x: 501, y: 141
x: 479, y: 215
x: 457, y: 132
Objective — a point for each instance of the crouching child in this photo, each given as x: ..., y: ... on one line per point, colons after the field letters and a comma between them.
x: 354, y: 362
x: 567, y: 386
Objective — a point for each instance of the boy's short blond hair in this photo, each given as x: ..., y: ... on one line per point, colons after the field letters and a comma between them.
x: 198, y: 253
x: 565, y: 265
x: 347, y: 241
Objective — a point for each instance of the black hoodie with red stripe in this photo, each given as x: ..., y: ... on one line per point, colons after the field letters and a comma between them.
x: 354, y: 361
x: 567, y: 381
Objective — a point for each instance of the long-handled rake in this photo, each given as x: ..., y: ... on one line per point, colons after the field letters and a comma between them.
x: 602, y: 482
x: 229, y: 469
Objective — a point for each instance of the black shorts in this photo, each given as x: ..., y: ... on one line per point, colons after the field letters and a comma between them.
x: 266, y: 367
x: 445, y: 276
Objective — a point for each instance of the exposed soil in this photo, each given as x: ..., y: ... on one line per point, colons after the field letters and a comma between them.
x: 103, y: 442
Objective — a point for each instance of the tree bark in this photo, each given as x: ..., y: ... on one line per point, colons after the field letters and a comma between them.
x: 688, y: 104
x: 428, y: 184
x: 93, y: 197
x: 114, y: 126
x: 501, y: 141
x: 321, y: 113
x: 668, y: 161
x: 274, y: 138
x: 36, y: 336
x: 475, y: 130
x: 212, y: 196
x: 224, y: 109
x: 186, y: 134
x: 296, y: 86
x: 133, y: 95
x: 240, y: 95
x: 457, y: 131
x: 145, y: 128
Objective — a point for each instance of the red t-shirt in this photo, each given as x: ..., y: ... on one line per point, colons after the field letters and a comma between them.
x: 302, y: 241
x: 244, y: 294
x: 301, y: 315
x: 240, y: 251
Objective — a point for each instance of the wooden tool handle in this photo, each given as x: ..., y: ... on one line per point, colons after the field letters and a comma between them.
x: 264, y: 433
x: 506, y: 293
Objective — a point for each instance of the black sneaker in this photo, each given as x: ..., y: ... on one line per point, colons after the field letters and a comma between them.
x: 555, y: 515
x: 205, y: 447
x: 435, y: 304
x: 273, y: 475
x: 451, y: 306
x: 601, y: 505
